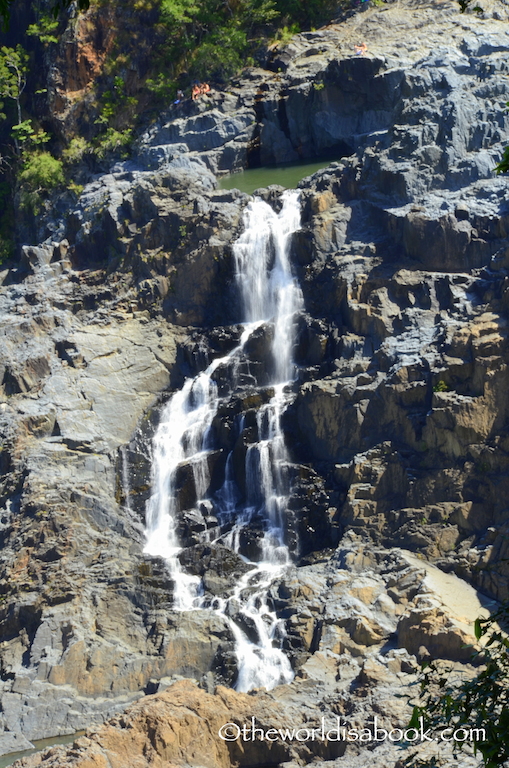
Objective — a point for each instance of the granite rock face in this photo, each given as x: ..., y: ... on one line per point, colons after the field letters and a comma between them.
x: 398, y: 424
x: 86, y: 618
x: 344, y: 610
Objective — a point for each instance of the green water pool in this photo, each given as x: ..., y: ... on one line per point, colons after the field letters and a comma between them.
x: 286, y: 175
x: 9, y: 759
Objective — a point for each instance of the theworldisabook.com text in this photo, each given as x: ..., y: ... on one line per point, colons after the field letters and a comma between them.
x: 345, y: 732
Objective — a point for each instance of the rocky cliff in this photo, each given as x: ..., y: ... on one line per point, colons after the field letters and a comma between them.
x: 397, y: 429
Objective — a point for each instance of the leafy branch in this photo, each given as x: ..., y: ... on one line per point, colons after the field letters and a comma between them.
x: 45, y: 30
x: 479, y: 703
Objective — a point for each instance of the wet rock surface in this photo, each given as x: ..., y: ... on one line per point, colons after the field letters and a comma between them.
x: 397, y: 426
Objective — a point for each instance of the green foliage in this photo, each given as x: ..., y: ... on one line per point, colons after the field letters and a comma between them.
x: 13, y: 69
x: 464, y: 4
x: 503, y: 166
x: 206, y: 39
x: 175, y: 12
x: 73, y: 153
x: 479, y: 703
x: 75, y: 188
x: 113, y: 141
x: 260, y: 13
x: 13, y: 76
x: 441, y: 386
x: 39, y: 174
x: 212, y: 40
x: 26, y: 135
x: 221, y: 56
x: 114, y: 101
x: 42, y: 172
x: 116, y: 110
x: 33, y: 171
x: 285, y: 34
x: 179, y: 11
x: 44, y: 29
x: 27, y: 172
x: 161, y: 86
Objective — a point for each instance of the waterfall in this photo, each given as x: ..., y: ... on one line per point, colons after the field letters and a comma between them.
x: 269, y: 294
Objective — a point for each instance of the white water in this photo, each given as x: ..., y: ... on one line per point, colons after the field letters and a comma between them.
x: 269, y: 293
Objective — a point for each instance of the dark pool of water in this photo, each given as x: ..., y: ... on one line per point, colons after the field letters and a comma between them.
x: 40, y: 744
x: 286, y: 175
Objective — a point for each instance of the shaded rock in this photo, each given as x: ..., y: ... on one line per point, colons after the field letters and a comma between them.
x: 219, y: 567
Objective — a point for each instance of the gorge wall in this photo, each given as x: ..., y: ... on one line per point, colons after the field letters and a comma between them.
x: 398, y: 426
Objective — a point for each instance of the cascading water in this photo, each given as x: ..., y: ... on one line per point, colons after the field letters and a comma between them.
x: 269, y: 294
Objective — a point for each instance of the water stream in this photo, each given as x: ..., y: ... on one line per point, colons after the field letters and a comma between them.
x: 269, y: 295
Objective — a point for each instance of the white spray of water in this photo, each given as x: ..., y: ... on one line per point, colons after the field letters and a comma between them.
x: 269, y: 293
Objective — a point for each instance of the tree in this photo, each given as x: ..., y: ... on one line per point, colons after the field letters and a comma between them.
x: 13, y: 78
x: 481, y: 702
